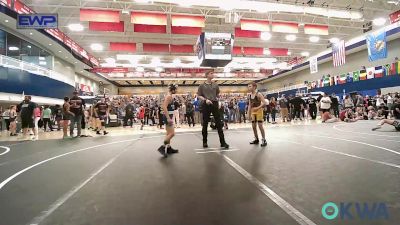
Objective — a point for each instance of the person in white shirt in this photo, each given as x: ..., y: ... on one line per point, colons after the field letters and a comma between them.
x: 325, y: 103
x: 379, y: 101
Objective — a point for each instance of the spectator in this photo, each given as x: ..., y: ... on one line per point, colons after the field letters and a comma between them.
x: 325, y: 103
x: 242, y: 110
x: 283, y: 105
x: 335, y: 104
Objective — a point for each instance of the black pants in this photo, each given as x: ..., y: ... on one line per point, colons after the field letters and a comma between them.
x: 313, y: 112
x: 47, y: 122
x: 207, y: 111
x: 296, y: 113
x: 242, y: 113
x: 273, y: 115
x: 160, y: 120
x: 190, y: 118
x: 128, y: 118
x: 7, y: 121
x: 335, y: 109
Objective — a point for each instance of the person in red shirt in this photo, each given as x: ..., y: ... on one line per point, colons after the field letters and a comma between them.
x: 141, y: 115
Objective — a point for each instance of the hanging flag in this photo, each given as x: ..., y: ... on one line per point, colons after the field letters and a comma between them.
x: 378, y: 71
x: 342, y: 79
x: 336, y: 80
x: 332, y: 81
x: 397, y: 68
x: 363, y: 74
x: 327, y: 81
x: 370, y: 72
x: 386, y: 70
x: 377, y: 48
x: 356, y: 76
x: 339, y: 53
x: 349, y: 78
x: 313, y: 65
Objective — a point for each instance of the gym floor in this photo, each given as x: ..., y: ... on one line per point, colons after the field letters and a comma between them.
x: 124, y: 180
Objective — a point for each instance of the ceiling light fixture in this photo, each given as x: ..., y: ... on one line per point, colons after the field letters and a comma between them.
x: 31, y: 33
x: 314, y: 39
x: 257, y: 70
x: 265, y: 36
x: 96, y: 47
x: 379, y: 21
x: 140, y: 69
x: 13, y: 48
x: 110, y: 60
x: 267, y: 51
x: 159, y: 69
x: 291, y: 37
x: 29, y: 46
x: 6, y: 21
x: 75, y: 27
x: 305, y: 54
x: 50, y: 44
x: 289, y: 53
x: 42, y: 58
x: 155, y: 61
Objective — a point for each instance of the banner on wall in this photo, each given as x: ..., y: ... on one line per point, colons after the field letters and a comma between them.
x: 377, y: 47
x: 313, y: 65
x: 395, y: 17
x: 85, y: 90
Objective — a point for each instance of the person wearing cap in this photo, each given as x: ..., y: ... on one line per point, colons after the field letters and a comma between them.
x: 168, y: 109
x: 77, y: 105
x: 208, y: 93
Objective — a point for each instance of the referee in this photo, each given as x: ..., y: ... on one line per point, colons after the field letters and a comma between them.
x: 208, y: 94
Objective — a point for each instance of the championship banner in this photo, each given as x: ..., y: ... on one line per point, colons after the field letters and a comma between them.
x: 377, y: 47
x: 313, y: 65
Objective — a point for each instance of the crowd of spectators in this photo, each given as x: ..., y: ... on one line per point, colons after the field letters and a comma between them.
x: 129, y: 111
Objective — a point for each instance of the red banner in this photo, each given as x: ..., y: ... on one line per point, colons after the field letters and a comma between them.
x: 254, y: 25
x: 295, y: 61
x: 253, y: 51
x: 182, y: 48
x: 147, y: 47
x: 150, y: 28
x: 85, y: 88
x: 6, y: 3
x: 237, y: 50
x: 95, y: 15
x: 247, y: 33
x: 123, y: 46
x: 21, y: 8
x: 395, y: 17
x: 186, y: 30
x: 106, y: 26
x: 109, y: 70
x: 94, y: 61
x: 278, y: 51
x: 56, y: 33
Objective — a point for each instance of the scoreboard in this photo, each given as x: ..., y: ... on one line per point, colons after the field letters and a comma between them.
x: 215, y: 49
